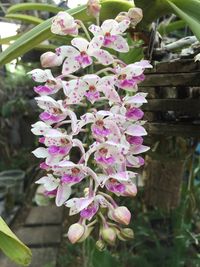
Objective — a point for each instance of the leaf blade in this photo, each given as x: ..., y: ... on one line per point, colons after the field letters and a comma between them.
x: 25, y: 18
x: 189, y: 11
x: 34, y: 6
x: 12, y: 246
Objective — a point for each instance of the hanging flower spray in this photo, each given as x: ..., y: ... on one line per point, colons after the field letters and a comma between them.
x: 108, y: 134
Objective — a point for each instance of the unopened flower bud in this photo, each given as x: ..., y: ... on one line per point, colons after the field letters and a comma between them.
x: 135, y: 15
x: 109, y: 235
x: 121, y: 215
x: 127, y: 233
x: 131, y: 190
x: 50, y: 59
x: 87, y: 232
x: 93, y: 7
x: 75, y: 232
x: 64, y: 24
x: 122, y: 16
x: 100, y: 245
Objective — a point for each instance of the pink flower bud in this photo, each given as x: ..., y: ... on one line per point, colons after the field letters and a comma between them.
x: 64, y: 24
x: 131, y: 190
x: 50, y: 59
x: 121, y: 215
x: 93, y: 7
x: 109, y: 235
x: 75, y: 232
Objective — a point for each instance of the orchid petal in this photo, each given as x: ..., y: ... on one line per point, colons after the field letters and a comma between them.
x: 40, y: 152
x: 103, y: 57
x: 73, y: 119
x: 63, y: 193
x: 74, y: 91
x: 120, y: 44
x: 78, y: 204
x: 96, y: 30
x: 121, y: 27
x: 67, y: 51
x: 46, y: 102
x: 49, y: 182
x: 135, y: 150
x: 40, y: 128
x: 70, y: 65
x: 95, y: 44
x: 80, y: 43
x: 91, y: 79
x: 108, y: 25
x: 107, y: 87
x: 39, y: 75
x: 136, y: 130
x: 79, y: 144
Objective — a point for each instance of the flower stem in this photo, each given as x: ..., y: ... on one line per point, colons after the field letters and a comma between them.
x: 109, y: 198
x: 84, y: 29
x: 104, y: 70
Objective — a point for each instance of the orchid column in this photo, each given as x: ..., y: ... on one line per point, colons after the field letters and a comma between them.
x: 111, y: 118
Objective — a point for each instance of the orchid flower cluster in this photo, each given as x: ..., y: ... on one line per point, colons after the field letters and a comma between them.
x: 108, y: 140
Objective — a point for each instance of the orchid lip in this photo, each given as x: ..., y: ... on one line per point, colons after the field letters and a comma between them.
x: 57, y: 150
x: 109, y: 160
x: 109, y: 39
x: 83, y: 59
x: 116, y: 187
x: 134, y: 113
x: 101, y: 132
x: 51, y: 193
x: 89, y: 212
x: 92, y: 96
x: 66, y: 178
x: 42, y: 89
x: 45, y: 116
x: 135, y: 140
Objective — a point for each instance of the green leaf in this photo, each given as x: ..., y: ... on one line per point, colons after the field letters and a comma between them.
x: 34, y: 6
x: 189, y: 11
x: 165, y: 29
x: 7, y: 40
x: 42, y: 31
x: 135, y: 53
x: 25, y: 18
x: 12, y: 246
x: 44, y: 47
x: 104, y: 259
